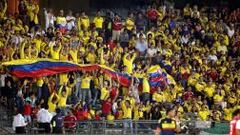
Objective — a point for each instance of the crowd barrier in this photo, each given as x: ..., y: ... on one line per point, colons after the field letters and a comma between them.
x: 129, y: 127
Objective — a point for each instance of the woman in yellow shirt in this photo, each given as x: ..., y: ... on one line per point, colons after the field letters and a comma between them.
x: 52, y: 102
x: 85, y: 87
x: 128, y: 62
x: 130, y: 23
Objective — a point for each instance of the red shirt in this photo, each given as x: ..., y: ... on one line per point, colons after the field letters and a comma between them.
x: 111, y: 45
x: 113, y: 93
x: 117, y: 25
x: 233, y: 125
x: 152, y: 14
x: 27, y: 109
x: 70, y: 121
x: 187, y: 95
x: 106, y: 107
x: 97, y: 117
x: 79, y: 115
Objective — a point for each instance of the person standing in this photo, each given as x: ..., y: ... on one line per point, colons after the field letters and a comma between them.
x: 117, y: 27
x: 168, y: 125
x: 98, y: 21
x: 44, y: 118
x: 235, y: 123
x: 57, y: 122
x: 19, y: 124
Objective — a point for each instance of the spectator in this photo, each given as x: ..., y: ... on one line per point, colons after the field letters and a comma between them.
x: 27, y: 110
x: 44, y: 118
x: 70, y: 121
x: 98, y: 21
x: 57, y: 122
x: 19, y: 124
x: 116, y: 28
x: 70, y: 21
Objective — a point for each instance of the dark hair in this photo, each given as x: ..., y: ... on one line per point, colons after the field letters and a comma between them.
x: 58, y: 110
x: 236, y: 112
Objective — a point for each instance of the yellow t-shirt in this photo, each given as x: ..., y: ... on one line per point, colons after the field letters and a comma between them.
x: 61, y: 20
x: 158, y: 97
x: 209, y: 91
x: 98, y: 21
x: 129, y: 23
x: 203, y: 115
x: 73, y: 54
x: 51, y: 105
x: 86, y: 83
x: 85, y: 22
x: 146, y: 86
x: 63, y: 78
x: 218, y: 98
x: 129, y: 63
x: 127, y: 112
x: 104, y: 94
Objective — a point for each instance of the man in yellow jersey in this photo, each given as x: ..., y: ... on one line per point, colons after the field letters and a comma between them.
x: 98, y: 21
x: 85, y: 87
x: 127, y: 116
x: 61, y: 21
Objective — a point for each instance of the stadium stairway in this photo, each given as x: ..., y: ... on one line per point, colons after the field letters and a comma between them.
x: 5, y: 121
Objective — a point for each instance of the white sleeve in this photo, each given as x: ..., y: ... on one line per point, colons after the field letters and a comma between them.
x: 238, y: 125
x: 14, y: 123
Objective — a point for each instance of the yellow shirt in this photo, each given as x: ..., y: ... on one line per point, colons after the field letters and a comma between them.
x: 51, y: 105
x: 129, y: 23
x: 40, y: 82
x: 2, y: 13
x: 228, y: 114
x: 85, y: 22
x: 55, y: 54
x: 127, y: 112
x: 98, y: 21
x: 91, y: 58
x: 209, y: 91
x: 86, y: 83
x: 203, y: 115
x: 129, y: 63
x: 73, y: 54
x: 61, y: 20
x: 218, y: 98
x: 63, y: 78
x: 38, y: 44
x: 110, y: 117
x: 104, y: 94
x: 200, y: 86
x: 158, y: 97
x: 146, y: 86
x: 32, y: 11
x: 62, y: 102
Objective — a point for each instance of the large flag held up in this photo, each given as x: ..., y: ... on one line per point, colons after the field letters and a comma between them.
x: 45, y: 67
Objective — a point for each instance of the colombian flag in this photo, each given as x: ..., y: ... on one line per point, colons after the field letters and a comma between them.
x: 26, y: 68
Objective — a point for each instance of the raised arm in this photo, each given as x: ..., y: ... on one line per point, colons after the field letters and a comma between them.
x: 22, y: 55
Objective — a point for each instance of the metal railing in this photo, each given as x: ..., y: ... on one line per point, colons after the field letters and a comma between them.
x: 130, y: 127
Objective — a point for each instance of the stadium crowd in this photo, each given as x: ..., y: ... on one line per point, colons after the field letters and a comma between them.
x: 199, y: 48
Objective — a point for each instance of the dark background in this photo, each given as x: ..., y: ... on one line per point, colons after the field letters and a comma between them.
x: 88, y: 5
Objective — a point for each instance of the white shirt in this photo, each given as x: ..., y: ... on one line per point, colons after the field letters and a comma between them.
x: 49, y: 18
x: 213, y: 57
x: 18, y: 121
x: 230, y: 32
x: 151, y: 51
x: 43, y: 116
x: 238, y: 125
x: 70, y: 24
x: 2, y: 80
